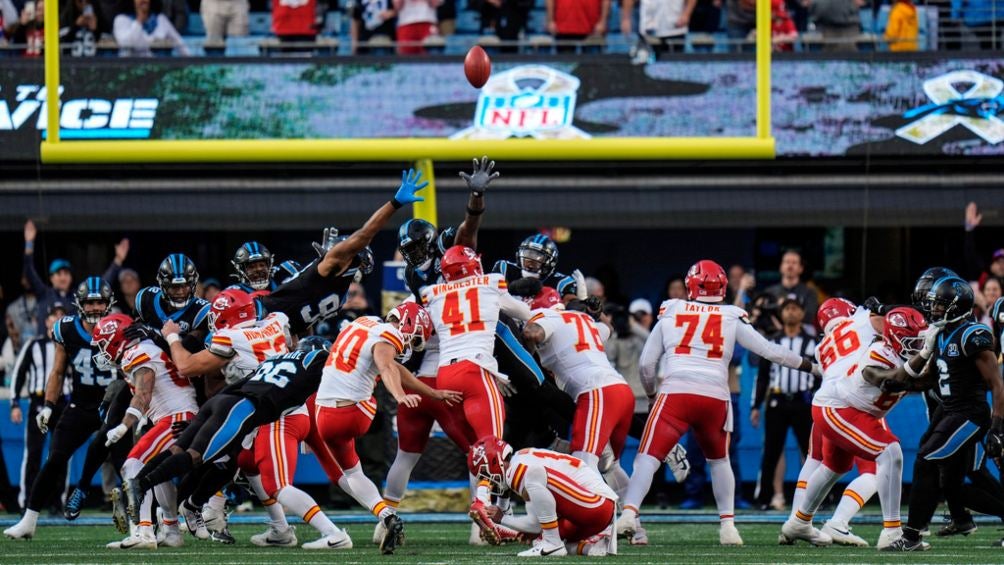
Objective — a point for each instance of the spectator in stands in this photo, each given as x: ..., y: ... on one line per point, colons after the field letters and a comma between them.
x: 707, y: 16
x: 446, y: 16
x: 975, y: 266
x: 595, y: 288
x: 293, y: 21
x: 574, y: 20
x: 23, y: 311
x: 129, y: 285
x: 29, y: 28
x: 641, y: 314
x: 791, y: 285
x: 507, y: 18
x: 740, y: 20
x: 902, y: 30
x: 983, y: 19
x: 372, y: 18
x: 142, y: 28
x: 229, y: 18
x: 80, y: 26
x: 8, y: 17
x: 355, y: 299
x: 664, y: 21
x: 9, y: 349
x: 989, y: 292
x: 676, y: 289
x: 782, y: 28
x: 416, y: 20
x: 840, y: 23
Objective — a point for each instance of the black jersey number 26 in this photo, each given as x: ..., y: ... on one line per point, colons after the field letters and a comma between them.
x: 275, y: 374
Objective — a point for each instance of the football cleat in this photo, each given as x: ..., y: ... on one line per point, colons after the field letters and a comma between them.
x: 21, y: 530
x: 222, y: 536
x: 130, y: 489
x: 904, y: 544
x: 137, y: 540
x: 74, y: 503
x: 956, y: 529
x: 481, y: 517
x: 171, y: 537
x: 216, y: 520
x: 120, y: 514
x: 842, y: 535
x: 379, y: 532
x: 338, y: 540
x: 627, y: 525
x: 729, y: 535
x: 888, y: 536
x: 194, y: 522
x: 677, y: 461
x: 540, y: 549
x: 796, y: 530
x: 273, y: 537
x: 640, y: 536
x: 395, y: 534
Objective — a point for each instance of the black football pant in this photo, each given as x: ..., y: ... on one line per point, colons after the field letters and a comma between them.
x: 97, y: 452
x: 75, y: 426
x: 783, y: 412
x: 34, y: 445
x: 943, y: 460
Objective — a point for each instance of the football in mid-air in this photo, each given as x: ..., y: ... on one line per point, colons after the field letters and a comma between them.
x: 477, y: 66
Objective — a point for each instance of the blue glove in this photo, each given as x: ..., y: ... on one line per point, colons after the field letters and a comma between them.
x: 406, y: 192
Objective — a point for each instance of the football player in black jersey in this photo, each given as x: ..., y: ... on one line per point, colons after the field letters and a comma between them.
x: 535, y: 267
x: 318, y: 290
x: 174, y: 297
x: 80, y: 419
x: 961, y: 364
x: 254, y: 266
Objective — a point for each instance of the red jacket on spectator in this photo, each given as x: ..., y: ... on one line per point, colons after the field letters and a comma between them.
x: 294, y: 17
x: 577, y: 17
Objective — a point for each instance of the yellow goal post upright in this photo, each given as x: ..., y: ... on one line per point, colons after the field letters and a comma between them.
x: 758, y: 146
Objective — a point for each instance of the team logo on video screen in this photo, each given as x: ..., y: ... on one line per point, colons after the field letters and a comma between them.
x: 79, y: 118
x: 528, y: 101
x: 960, y: 98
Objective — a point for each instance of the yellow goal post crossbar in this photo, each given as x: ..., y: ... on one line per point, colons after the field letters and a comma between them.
x: 759, y: 146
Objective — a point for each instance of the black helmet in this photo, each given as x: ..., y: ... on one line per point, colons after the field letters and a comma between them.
x: 363, y: 262
x: 252, y: 252
x: 950, y: 299
x: 924, y: 283
x: 416, y: 239
x: 313, y: 343
x: 287, y: 270
x: 91, y: 289
x: 537, y: 255
x: 177, y: 270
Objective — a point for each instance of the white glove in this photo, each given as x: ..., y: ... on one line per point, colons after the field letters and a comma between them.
x: 678, y: 463
x: 931, y: 340
x: 580, y: 285
x: 115, y: 434
x: 505, y: 387
x: 817, y: 370
x: 42, y: 419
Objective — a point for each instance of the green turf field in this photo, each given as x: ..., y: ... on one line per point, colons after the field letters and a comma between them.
x: 447, y: 543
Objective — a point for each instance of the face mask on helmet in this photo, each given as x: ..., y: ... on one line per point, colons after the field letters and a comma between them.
x: 418, y: 254
x: 93, y: 299
x: 949, y: 300
x: 177, y: 278
x: 531, y: 262
x: 257, y: 274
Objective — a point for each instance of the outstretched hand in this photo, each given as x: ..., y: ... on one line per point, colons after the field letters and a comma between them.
x: 482, y: 176
x: 406, y: 193
x: 328, y: 239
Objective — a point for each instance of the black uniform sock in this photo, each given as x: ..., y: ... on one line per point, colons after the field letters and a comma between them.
x: 215, y: 478
x: 153, y: 463
x: 175, y: 466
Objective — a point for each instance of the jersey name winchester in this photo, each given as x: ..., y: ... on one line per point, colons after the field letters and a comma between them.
x: 438, y: 289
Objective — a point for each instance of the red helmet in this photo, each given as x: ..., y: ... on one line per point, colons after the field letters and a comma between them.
x: 487, y: 461
x: 546, y: 298
x: 706, y: 282
x: 833, y: 309
x: 415, y: 324
x: 108, y: 336
x: 460, y: 262
x: 230, y: 308
x: 903, y: 326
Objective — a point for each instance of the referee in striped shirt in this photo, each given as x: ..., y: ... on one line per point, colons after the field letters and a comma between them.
x: 788, y: 394
x: 31, y: 372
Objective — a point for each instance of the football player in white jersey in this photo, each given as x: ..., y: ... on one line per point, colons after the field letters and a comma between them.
x: 568, y: 505
x: 161, y: 395
x: 570, y: 345
x: 848, y: 330
x: 345, y: 406
x: 851, y: 419
x: 465, y: 310
x: 689, y: 351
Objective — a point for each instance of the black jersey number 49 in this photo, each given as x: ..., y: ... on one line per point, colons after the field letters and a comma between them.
x: 326, y: 308
x: 276, y: 373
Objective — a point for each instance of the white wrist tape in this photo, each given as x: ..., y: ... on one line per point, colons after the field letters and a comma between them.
x: 135, y: 412
x: 172, y: 339
x: 909, y: 370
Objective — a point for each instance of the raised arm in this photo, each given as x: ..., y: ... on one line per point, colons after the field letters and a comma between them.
x: 38, y: 286
x: 753, y: 341
x: 477, y: 182
x: 339, y: 256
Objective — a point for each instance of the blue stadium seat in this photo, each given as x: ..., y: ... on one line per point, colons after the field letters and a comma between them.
x: 537, y: 22
x: 260, y: 23
x: 332, y: 23
x: 468, y: 22
x: 195, y: 25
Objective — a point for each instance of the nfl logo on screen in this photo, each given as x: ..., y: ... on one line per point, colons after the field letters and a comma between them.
x: 528, y: 101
